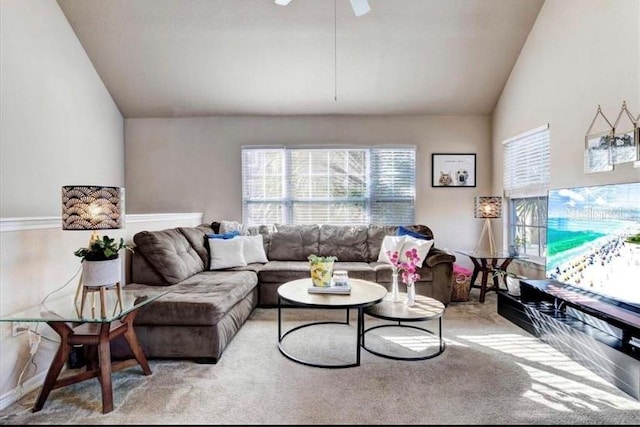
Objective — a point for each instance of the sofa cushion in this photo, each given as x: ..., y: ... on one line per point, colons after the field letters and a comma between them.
x: 263, y: 230
x: 423, y: 230
x: 226, y: 253
x: 421, y: 246
x: 404, y: 231
x: 202, y: 299
x: 348, y: 243
x: 253, y: 249
x: 198, y: 241
x: 357, y: 270
x: 383, y: 273
x: 376, y: 234
x: 293, y: 242
x: 285, y: 271
x: 228, y: 235
x: 170, y: 253
x: 391, y: 244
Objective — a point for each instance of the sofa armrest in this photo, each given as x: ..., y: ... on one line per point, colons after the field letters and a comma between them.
x: 438, y: 256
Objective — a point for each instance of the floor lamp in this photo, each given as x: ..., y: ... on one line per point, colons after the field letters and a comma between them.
x: 94, y: 208
x: 487, y: 207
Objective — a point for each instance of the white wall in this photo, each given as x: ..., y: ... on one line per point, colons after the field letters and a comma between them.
x: 578, y: 55
x: 59, y: 126
x: 193, y: 164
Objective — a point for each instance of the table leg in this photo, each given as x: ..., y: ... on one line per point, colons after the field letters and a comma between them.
x: 57, y: 364
x: 359, y: 333
x: 483, y: 287
x: 96, y: 338
x: 279, y: 321
x: 476, y: 270
x: 104, y: 358
x: 132, y: 339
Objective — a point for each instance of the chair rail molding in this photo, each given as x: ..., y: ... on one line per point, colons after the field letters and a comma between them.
x: 53, y: 222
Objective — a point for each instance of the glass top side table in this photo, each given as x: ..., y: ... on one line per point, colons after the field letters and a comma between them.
x: 94, y: 331
x: 485, y: 263
x: 64, y: 309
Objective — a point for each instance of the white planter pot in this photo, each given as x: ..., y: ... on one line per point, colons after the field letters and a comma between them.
x: 101, y: 273
x: 513, y: 286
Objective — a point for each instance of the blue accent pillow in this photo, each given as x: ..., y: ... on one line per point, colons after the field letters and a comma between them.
x: 404, y: 231
x: 225, y: 236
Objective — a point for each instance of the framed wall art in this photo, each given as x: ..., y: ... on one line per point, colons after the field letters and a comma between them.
x: 597, y: 146
x: 624, y: 146
x: 453, y: 170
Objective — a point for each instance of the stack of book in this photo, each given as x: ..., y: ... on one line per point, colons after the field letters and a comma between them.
x: 334, y: 288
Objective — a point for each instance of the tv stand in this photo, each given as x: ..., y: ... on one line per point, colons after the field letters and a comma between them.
x: 600, y: 333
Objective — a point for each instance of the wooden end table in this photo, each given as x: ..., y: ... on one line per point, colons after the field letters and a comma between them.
x: 95, y: 331
x: 484, y: 264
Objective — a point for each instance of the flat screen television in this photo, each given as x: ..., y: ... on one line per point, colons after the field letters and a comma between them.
x: 593, y: 240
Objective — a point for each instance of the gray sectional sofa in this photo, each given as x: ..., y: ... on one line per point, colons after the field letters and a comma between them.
x: 206, y: 308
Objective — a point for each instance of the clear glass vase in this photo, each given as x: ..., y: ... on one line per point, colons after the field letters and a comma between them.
x: 411, y: 294
x: 394, y: 285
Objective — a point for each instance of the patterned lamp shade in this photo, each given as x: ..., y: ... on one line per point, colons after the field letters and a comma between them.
x: 487, y: 207
x: 92, y: 207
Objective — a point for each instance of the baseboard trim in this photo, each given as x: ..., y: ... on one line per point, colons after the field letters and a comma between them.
x: 29, y: 385
x: 55, y: 222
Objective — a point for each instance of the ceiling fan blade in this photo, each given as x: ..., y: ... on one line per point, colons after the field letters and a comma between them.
x: 360, y: 7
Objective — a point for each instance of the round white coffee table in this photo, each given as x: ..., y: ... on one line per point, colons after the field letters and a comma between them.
x: 425, y: 309
x: 295, y: 293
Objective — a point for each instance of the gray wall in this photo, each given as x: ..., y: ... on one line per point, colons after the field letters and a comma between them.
x: 193, y: 164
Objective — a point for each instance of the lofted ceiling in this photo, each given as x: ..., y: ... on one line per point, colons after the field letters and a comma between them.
x: 172, y: 58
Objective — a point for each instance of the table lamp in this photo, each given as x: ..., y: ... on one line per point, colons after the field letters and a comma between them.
x: 94, y: 208
x: 487, y: 207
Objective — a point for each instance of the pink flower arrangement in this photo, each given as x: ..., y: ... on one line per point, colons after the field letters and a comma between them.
x: 409, y: 268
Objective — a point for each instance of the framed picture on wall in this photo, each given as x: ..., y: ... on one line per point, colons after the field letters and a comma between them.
x: 453, y: 170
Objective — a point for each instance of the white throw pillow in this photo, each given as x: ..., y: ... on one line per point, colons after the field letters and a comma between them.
x: 226, y: 253
x: 390, y: 243
x: 229, y: 226
x: 422, y: 246
x: 253, y: 249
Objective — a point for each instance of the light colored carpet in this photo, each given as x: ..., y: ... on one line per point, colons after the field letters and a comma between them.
x: 491, y: 372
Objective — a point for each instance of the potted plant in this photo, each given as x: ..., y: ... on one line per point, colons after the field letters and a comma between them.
x: 101, y: 261
x: 321, y: 268
x: 511, y: 279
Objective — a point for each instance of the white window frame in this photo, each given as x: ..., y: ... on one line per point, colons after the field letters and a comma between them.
x: 527, y: 179
x: 373, y: 200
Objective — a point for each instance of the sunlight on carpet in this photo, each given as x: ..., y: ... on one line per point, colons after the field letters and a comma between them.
x: 550, y: 371
x: 417, y: 343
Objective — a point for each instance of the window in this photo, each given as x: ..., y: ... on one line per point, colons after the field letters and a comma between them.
x: 526, y: 183
x: 337, y: 185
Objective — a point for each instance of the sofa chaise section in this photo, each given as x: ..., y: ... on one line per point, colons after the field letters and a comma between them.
x: 203, y: 311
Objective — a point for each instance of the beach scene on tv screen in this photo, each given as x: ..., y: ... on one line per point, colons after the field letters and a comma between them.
x: 593, y: 239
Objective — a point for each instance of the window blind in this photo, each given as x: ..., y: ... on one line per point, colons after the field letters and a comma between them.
x: 328, y: 185
x: 526, y: 164
x: 393, y: 178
